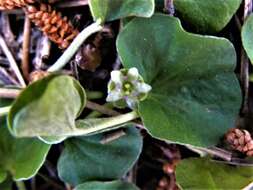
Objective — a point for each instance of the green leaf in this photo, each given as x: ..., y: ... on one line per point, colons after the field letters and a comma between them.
x: 108, y: 10
x: 208, y: 16
x: 93, y: 126
x: 47, y: 108
x: 201, y: 173
x: 247, y: 37
x: 3, y: 175
x: 195, y: 95
x: 112, y: 185
x: 52, y: 139
x: 21, y: 158
x: 86, y: 158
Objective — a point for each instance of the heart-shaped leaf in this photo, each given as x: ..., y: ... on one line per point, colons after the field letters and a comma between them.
x: 195, y: 94
x: 201, y: 173
x: 112, y: 185
x: 208, y: 16
x: 47, y: 108
x: 87, y: 158
x: 108, y: 10
x: 247, y: 37
x: 21, y: 158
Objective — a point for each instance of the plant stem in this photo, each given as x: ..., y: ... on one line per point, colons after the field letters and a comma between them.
x: 76, y: 3
x: 25, y: 48
x: 95, y: 113
x: 74, y: 46
x: 101, y: 109
x: 94, y: 94
x: 12, y: 61
x: 92, y: 126
x: 112, y: 136
x: 20, y: 185
x: 4, y: 110
x: 9, y: 93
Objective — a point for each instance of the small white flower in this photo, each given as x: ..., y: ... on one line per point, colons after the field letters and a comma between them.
x: 127, y: 88
x: 132, y: 103
x: 116, y: 76
x: 114, y: 96
x: 143, y: 87
x: 133, y: 73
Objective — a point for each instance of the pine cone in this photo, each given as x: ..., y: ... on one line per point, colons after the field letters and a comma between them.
x: 240, y: 140
x: 37, y: 75
x: 58, y: 29
x: 11, y: 4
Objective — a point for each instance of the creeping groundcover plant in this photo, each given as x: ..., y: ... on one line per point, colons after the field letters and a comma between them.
x: 126, y: 94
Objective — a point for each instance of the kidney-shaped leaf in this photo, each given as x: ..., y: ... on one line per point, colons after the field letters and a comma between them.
x: 47, y: 107
x: 209, y: 15
x: 201, y: 173
x: 21, y: 158
x: 112, y: 185
x: 247, y: 37
x: 195, y: 94
x: 108, y: 10
x: 86, y: 158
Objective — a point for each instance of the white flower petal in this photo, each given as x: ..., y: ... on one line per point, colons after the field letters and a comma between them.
x: 116, y: 76
x: 131, y: 102
x: 133, y: 73
x: 143, y: 87
x: 114, y: 96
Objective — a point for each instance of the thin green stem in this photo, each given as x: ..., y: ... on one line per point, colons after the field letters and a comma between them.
x: 92, y: 126
x: 74, y: 46
x: 4, y: 110
x: 94, y: 94
x: 20, y: 185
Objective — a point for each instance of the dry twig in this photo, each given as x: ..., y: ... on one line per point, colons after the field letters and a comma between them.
x: 12, y: 61
x: 26, y: 48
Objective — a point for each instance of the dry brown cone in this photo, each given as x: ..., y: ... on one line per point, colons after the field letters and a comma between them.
x: 11, y: 4
x: 240, y: 140
x: 58, y: 29
x: 37, y: 75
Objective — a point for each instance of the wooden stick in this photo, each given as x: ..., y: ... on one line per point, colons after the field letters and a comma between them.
x: 12, y: 61
x: 244, y: 73
x: 26, y: 47
x: 9, y: 93
x: 75, y: 3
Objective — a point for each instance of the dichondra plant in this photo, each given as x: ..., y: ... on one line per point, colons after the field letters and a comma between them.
x: 180, y: 87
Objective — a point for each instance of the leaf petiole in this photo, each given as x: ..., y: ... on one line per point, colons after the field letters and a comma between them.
x: 4, y: 110
x: 98, y: 125
x: 74, y: 46
x: 20, y: 185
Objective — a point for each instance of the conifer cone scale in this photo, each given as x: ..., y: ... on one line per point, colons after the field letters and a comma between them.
x: 11, y: 4
x: 58, y: 29
x: 240, y: 140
